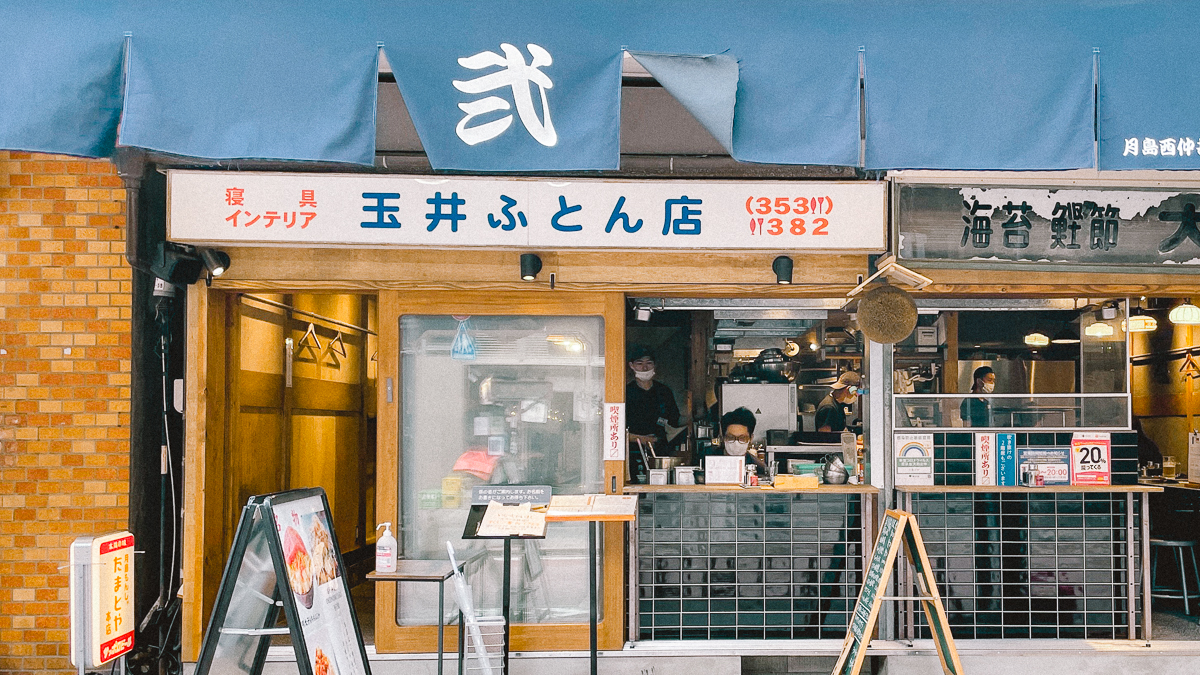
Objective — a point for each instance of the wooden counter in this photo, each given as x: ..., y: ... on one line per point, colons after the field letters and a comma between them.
x: 1186, y: 485
x: 824, y: 489
x: 983, y: 489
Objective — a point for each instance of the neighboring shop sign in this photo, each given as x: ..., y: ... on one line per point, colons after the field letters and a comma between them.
x: 914, y: 459
x: 1126, y: 227
x: 102, y: 618
x: 372, y: 210
x: 1091, y: 453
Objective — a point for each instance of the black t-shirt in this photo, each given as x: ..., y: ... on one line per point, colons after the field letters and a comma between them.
x: 831, y: 413
x: 977, y: 412
x: 645, y: 407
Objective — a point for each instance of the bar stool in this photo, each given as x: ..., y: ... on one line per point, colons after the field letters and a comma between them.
x: 1182, y: 593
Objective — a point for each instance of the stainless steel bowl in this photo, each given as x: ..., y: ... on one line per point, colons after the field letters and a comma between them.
x: 665, y: 462
x: 835, y: 471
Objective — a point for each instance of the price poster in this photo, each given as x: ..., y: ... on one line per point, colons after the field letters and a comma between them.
x: 1091, y: 454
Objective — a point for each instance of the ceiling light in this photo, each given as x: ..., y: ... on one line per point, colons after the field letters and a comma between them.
x: 1140, y: 323
x: 783, y: 269
x: 531, y: 264
x: 1098, y: 329
x: 1036, y: 339
x: 812, y: 346
x: 1185, y: 314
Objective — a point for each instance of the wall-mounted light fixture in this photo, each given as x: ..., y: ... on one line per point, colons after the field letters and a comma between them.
x: 783, y: 269
x: 1036, y: 339
x: 531, y: 264
x: 1185, y: 314
x: 216, y: 262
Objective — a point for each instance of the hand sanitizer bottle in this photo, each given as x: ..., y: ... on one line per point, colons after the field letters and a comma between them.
x: 385, y: 550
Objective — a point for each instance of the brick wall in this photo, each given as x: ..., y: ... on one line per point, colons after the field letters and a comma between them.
x: 65, y: 294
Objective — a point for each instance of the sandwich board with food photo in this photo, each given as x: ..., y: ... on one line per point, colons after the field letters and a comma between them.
x: 285, y: 556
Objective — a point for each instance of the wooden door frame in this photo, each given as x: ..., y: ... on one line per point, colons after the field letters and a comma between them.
x: 390, y: 638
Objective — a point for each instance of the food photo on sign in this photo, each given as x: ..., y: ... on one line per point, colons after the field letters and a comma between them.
x: 315, y: 579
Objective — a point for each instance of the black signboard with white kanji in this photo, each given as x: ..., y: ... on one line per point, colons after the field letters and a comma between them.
x: 1048, y: 225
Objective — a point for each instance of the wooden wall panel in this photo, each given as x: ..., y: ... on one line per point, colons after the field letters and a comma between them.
x: 325, y: 451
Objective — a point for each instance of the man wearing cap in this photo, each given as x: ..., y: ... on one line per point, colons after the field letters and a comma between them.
x: 831, y: 413
x: 649, y: 405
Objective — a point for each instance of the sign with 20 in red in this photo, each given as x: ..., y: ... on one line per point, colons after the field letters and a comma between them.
x: 1091, y: 455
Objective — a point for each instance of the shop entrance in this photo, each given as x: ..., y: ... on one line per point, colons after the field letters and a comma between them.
x: 300, y: 405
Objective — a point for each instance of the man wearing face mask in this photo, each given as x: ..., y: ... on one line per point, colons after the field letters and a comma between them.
x: 977, y: 412
x: 737, y: 430
x: 649, y: 405
x: 831, y: 413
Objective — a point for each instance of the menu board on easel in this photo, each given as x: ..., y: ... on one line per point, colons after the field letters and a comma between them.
x: 898, y: 527
x: 285, y: 556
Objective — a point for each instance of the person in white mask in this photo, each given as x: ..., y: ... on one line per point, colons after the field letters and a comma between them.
x: 649, y: 406
x: 737, y: 430
x: 977, y: 412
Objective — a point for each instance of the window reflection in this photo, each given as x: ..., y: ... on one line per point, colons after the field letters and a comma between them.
x: 501, y: 400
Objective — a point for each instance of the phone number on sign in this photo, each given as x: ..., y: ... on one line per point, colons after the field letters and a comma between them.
x: 786, y: 206
x: 800, y: 206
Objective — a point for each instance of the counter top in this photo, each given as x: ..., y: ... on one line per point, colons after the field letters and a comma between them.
x: 824, y: 489
x: 982, y: 489
x: 1184, y: 485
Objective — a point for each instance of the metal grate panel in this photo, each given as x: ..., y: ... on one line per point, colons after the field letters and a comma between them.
x: 729, y: 565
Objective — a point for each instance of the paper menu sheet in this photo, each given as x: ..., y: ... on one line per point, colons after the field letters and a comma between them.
x: 614, y: 504
x: 571, y: 503
x: 1193, y: 468
x: 511, y: 521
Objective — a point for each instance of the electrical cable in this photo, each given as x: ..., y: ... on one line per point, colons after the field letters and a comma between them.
x: 170, y: 582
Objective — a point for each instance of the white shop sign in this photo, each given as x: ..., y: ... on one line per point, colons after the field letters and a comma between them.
x: 101, y: 599
x: 291, y: 209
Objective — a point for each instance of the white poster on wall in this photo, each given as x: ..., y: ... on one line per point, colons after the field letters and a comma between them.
x: 614, y: 432
x: 297, y: 209
x: 1194, y: 457
x: 985, y: 459
x: 914, y: 459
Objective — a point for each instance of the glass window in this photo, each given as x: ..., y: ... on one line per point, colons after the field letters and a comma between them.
x: 501, y: 400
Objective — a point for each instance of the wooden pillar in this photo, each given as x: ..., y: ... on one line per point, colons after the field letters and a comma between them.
x: 950, y: 359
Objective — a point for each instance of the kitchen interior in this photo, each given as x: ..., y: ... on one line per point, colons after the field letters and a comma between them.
x: 779, y: 363
x: 1057, y: 363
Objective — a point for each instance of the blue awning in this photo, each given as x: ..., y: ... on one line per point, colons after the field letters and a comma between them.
x: 534, y: 85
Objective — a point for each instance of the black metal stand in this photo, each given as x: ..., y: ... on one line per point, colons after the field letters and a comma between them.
x: 592, y: 527
x: 505, y: 594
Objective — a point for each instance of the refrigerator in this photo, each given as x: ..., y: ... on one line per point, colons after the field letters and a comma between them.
x: 773, y: 405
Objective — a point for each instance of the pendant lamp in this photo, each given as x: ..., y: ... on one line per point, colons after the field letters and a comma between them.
x: 1185, y: 314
